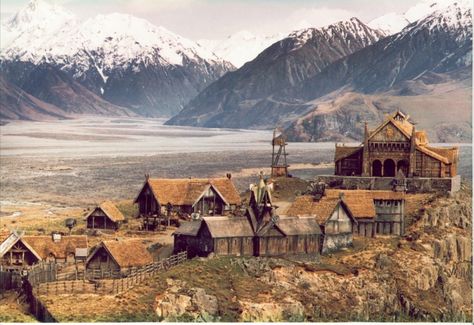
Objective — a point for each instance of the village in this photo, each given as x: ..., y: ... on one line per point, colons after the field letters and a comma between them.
x: 374, y: 194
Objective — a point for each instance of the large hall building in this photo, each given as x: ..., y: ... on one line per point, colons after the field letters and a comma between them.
x: 392, y: 147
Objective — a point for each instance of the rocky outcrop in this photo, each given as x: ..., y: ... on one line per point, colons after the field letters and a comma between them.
x: 286, y: 310
x: 177, y: 303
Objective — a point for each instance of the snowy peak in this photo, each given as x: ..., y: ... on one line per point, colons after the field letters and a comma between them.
x: 39, y: 12
x: 393, y: 23
x: 47, y: 33
x: 455, y: 19
x: 34, y: 24
x: 240, y: 47
x: 352, y: 27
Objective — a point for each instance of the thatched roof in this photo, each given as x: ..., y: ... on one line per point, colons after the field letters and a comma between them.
x: 306, y: 206
x: 190, y: 228
x: 110, y: 210
x: 292, y: 226
x: 186, y: 191
x: 7, y: 243
x: 126, y: 252
x: 44, y: 246
x: 361, y: 202
x: 223, y: 227
x: 4, y: 234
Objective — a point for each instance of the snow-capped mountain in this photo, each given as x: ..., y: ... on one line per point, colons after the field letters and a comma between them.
x: 287, y: 79
x: 231, y: 101
x: 240, y: 47
x: 35, y: 24
x: 392, y: 22
x: 126, y: 60
x: 402, y: 70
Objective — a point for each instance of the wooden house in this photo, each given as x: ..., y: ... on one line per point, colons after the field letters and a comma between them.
x: 260, y: 233
x: 395, y: 146
x: 221, y: 235
x: 332, y: 214
x: 18, y: 251
x: 213, y: 196
x: 105, y: 216
x: 118, y: 256
x: 377, y: 212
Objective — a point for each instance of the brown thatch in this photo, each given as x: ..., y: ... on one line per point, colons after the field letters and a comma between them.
x: 361, y: 202
x: 223, y: 227
x: 44, y: 246
x: 127, y: 252
x: 4, y: 234
x: 293, y: 226
x: 187, y: 191
x: 345, y: 151
x: 306, y: 206
x: 110, y: 210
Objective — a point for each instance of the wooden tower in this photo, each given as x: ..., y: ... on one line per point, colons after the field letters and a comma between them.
x: 279, y: 165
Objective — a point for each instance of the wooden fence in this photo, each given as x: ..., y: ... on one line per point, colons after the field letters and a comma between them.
x: 104, y: 285
x: 9, y: 280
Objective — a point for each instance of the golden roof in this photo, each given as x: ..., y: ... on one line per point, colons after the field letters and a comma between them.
x: 44, y: 246
x: 186, y: 191
x: 110, y: 211
x: 128, y: 252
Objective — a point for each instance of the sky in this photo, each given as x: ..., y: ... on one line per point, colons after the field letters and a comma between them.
x: 216, y: 19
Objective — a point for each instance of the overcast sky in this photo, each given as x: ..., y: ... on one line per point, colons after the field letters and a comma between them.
x: 216, y: 19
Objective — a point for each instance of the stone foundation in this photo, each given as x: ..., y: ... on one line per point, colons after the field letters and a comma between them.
x: 414, y: 185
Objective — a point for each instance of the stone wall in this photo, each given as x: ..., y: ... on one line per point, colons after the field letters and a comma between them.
x: 414, y: 185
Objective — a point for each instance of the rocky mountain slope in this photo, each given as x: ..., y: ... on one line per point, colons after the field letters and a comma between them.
x: 123, y: 59
x: 434, y: 50
x: 51, y: 85
x: 233, y: 100
x: 19, y: 105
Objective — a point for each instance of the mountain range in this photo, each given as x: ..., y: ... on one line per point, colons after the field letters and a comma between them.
x: 288, y: 85
x: 319, y: 84
x: 124, y: 60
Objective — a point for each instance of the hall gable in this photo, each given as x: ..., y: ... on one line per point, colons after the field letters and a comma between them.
x: 389, y: 132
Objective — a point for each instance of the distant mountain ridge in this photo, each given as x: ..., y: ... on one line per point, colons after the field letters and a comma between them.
x: 120, y: 58
x: 232, y: 100
x: 433, y: 50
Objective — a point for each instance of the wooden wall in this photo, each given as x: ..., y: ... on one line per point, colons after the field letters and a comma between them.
x: 103, y: 261
x: 390, y: 217
x: 364, y: 228
x: 99, y: 220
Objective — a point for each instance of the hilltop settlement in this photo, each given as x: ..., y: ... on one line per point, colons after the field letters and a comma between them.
x: 335, y: 224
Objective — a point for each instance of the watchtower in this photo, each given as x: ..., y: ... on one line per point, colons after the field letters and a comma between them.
x: 279, y: 165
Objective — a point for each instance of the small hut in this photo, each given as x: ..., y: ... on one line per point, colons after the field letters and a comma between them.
x: 118, y: 256
x: 105, y: 216
x: 221, y: 235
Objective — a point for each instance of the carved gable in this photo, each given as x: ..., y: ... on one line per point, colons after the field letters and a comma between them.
x: 389, y: 133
